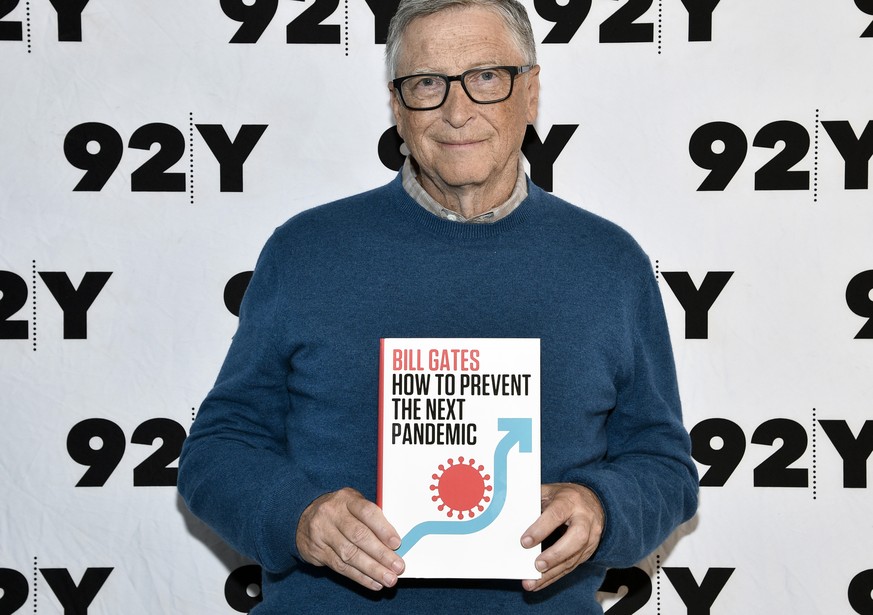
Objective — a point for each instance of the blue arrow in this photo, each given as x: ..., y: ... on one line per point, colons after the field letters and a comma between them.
x: 518, y: 431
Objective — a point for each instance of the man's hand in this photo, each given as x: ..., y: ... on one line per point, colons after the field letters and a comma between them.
x: 348, y: 533
x: 579, y: 509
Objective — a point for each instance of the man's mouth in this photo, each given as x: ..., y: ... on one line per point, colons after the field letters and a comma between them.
x: 460, y: 143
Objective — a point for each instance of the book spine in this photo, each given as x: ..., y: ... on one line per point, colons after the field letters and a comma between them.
x: 381, y: 420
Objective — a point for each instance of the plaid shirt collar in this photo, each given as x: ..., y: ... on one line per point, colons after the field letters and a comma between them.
x: 420, y: 195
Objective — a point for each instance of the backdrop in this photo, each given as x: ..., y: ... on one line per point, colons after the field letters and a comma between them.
x: 149, y: 147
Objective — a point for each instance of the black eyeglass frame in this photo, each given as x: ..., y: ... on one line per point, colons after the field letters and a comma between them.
x: 514, y: 71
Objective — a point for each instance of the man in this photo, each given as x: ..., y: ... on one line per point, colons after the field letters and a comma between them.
x: 282, y: 457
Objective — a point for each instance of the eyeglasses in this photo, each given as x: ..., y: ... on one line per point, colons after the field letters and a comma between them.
x: 426, y: 91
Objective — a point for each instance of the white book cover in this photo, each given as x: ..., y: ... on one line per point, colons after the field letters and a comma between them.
x: 459, y: 454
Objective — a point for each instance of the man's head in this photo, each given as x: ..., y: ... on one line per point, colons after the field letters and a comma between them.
x: 513, y: 13
x: 461, y: 145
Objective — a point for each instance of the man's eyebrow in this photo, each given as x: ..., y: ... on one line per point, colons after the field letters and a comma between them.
x: 474, y: 66
x: 418, y: 71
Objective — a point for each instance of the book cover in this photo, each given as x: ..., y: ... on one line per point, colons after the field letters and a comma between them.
x: 459, y: 454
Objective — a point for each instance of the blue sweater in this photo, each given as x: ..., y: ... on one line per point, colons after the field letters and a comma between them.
x: 293, y: 413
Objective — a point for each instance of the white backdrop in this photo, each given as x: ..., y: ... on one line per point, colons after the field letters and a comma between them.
x: 188, y: 149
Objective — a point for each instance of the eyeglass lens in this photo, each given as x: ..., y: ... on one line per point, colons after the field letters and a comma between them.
x: 483, y: 86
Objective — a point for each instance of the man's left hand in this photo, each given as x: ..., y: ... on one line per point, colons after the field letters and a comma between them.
x: 575, y: 507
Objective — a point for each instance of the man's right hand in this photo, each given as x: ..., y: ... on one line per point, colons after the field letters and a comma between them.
x: 348, y: 533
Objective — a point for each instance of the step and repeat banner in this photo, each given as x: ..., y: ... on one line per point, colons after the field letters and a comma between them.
x: 149, y: 147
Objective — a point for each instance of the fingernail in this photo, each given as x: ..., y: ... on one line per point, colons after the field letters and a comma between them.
x: 398, y: 566
x: 394, y: 543
x: 541, y: 565
x: 527, y: 542
x: 389, y: 579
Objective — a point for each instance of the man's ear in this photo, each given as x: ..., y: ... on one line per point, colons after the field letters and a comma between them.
x: 533, y: 93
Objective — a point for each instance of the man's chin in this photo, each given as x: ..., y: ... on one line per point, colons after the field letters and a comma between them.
x: 462, y: 175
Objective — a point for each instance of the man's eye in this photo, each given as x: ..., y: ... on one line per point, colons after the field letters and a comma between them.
x: 425, y: 84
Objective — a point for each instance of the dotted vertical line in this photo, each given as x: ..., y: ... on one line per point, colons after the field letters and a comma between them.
x: 346, y: 27
x: 191, y: 155
x: 815, y: 159
x: 660, y: 23
x: 27, y: 25
x: 658, y: 270
x: 193, y: 414
x: 814, y: 458
x: 35, y: 579
x: 33, y: 301
x: 658, y: 583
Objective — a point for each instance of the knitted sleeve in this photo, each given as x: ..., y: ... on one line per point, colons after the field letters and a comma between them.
x: 647, y: 482
x: 234, y: 472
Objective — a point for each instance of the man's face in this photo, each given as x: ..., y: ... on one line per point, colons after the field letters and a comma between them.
x: 464, y: 144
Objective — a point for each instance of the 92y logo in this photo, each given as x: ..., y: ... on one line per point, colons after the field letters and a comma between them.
x: 69, y: 20
x: 540, y: 153
x: 778, y: 469
x: 699, y: 597
x: 623, y: 25
x: 861, y: 592
x: 73, y: 597
x: 866, y: 7
x: 721, y: 149
x: 859, y: 298
x: 153, y: 471
x: 697, y: 301
x: 74, y: 301
x: 255, y: 15
x: 155, y: 175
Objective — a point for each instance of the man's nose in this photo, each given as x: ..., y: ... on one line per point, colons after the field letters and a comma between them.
x: 459, y: 107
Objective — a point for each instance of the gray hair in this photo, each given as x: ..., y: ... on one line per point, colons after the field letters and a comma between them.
x: 512, y: 12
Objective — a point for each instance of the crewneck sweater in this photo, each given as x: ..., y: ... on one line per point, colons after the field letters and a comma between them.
x: 293, y: 413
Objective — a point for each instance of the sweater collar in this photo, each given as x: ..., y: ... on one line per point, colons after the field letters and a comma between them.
x: 526, y: 213
x: 410, y: 182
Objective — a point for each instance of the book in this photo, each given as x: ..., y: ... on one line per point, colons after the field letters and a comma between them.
x: 459, y: 454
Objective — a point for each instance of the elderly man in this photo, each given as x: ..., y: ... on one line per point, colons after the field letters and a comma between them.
x: 281, y: 460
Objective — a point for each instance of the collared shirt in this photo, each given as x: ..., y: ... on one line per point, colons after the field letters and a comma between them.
x: 420, y: 195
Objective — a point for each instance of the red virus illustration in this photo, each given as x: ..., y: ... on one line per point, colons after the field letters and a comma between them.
x: 461, y: 487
